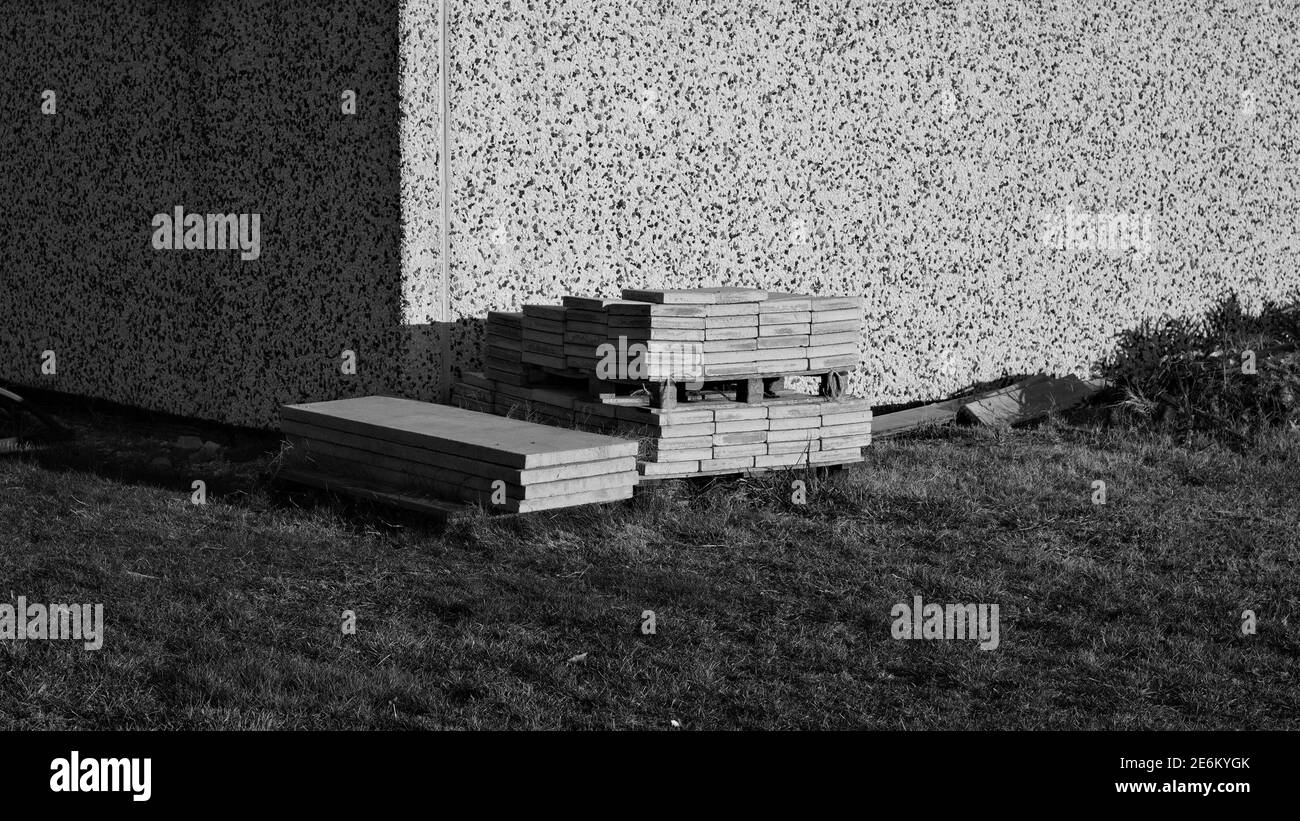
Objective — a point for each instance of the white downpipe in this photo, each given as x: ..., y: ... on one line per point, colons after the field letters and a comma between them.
x: 444, y: 181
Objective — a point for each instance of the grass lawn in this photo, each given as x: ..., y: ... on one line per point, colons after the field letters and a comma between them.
x: 768, y: 614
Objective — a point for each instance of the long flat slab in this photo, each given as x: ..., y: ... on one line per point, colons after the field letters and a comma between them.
x: 891, y: 424
x: 1025, y: 401
x: 442, y: 508
x: 458, y: 432
x: 1014, y: 403
x: 432, y: 463
x: 399, y: 474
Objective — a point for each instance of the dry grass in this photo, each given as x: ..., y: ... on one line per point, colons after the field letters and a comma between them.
x: 769, y: 614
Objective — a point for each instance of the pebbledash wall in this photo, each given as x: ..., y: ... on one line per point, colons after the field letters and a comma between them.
x: 1009, y: 184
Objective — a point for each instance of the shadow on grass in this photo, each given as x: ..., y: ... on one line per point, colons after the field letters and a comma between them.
x: 133, y: 446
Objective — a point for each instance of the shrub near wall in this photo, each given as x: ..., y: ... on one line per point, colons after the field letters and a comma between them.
x: 1229, y: 371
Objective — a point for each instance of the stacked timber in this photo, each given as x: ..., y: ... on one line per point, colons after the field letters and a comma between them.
x: 406, y: 448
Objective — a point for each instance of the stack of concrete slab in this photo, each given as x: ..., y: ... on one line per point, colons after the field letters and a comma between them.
x: 404, y: 449
x: 672, y: 336
x: 503, y: 349
x: 824, y: 332
x: 835, y: 332
x: 744, y: 341
x: 474, y: 391
x: 586, y: 328
x: 737, y: 340
x: 748, y: 332
x: 681, y: 335
x: 710, y: 435
x: 725, y: 437
x: 784, y: 329
x: 543, y: 337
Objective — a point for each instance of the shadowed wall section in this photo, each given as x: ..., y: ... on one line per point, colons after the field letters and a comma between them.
x: 227, y: 106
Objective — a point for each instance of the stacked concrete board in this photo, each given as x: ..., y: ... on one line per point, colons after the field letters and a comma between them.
x: 729, y: 333
x: 745, y: 332
x: 741, y: 338
x: 503, y: 348
x: 507, y: 465
x: 586, y: 328
x: 724, y: 437
x: 543, y: 336
x: 703, y: 437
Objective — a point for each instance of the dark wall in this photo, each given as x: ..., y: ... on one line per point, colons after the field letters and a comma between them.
x: 225, y: 106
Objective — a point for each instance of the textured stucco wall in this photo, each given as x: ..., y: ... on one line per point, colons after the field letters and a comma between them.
x: 227, y: 106
x: 908, y: 152
x: 904, y: 151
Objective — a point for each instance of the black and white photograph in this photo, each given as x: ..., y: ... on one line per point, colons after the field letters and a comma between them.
x: 448, y: 375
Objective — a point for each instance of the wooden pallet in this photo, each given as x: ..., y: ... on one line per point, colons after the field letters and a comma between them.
x: 749, y: 389
x: 653, y: 481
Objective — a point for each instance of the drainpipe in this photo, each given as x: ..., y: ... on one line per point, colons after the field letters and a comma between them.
x: 444, y: 180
